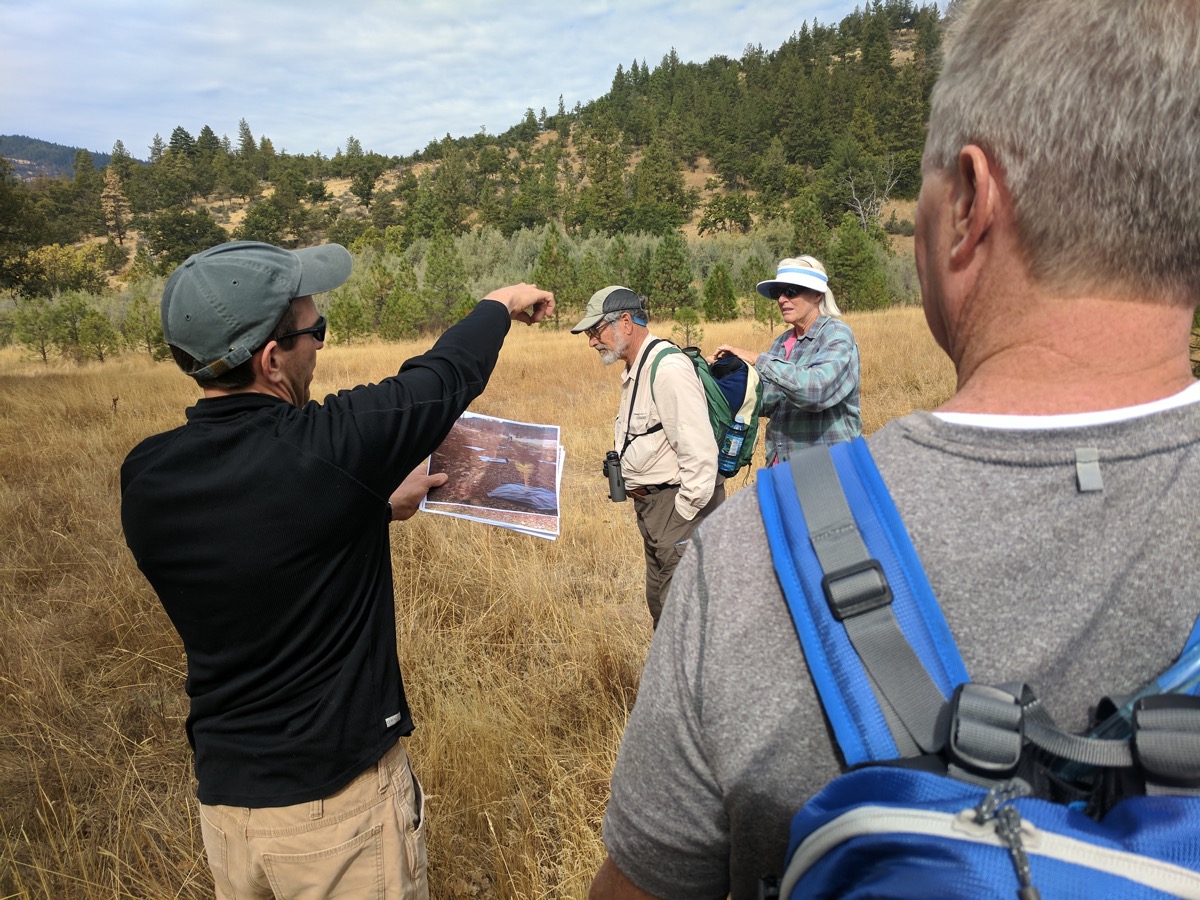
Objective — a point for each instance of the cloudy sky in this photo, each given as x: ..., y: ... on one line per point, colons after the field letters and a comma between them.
x: 395, y: 74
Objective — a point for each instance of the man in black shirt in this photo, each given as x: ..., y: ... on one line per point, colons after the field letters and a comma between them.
x: 262, y: 525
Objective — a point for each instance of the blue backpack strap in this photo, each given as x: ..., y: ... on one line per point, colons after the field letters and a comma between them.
x: 852, y: 579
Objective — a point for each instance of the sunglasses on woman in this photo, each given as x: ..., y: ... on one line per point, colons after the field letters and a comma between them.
x: 788, y: 291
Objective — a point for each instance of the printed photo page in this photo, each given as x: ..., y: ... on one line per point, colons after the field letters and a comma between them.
x: 501, y: 473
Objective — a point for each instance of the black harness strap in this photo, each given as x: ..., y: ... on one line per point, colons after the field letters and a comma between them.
x: 637, y: 380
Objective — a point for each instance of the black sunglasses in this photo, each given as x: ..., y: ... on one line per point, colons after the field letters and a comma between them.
x: 317, y: 330
x: 789, y: 292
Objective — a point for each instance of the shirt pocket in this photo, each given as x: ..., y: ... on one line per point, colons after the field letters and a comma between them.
x: 642, y: 446
x: 639, y: 423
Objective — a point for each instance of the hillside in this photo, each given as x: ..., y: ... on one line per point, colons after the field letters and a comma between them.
x: 32, y: 157
x: 698, y: 164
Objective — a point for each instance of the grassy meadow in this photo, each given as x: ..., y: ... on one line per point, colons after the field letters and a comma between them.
x: 521, y: 656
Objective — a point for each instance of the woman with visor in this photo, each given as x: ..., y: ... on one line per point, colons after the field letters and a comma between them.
x: 810, y: 374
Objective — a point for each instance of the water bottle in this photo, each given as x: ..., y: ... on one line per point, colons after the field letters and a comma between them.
x: 731, y: 446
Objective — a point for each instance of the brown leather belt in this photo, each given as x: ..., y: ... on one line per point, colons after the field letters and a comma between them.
x: 650, y: 489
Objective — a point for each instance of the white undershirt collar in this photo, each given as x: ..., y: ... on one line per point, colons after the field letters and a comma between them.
x: 1188, y: 395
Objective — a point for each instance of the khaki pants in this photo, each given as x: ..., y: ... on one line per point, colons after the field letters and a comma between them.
x: 665, y: 534
x: 366, y: 840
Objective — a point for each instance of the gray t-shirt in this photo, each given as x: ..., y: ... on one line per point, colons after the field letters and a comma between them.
x: 1079, y: 594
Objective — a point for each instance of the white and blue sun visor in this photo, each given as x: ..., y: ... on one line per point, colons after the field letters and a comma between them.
x: 800, y: 276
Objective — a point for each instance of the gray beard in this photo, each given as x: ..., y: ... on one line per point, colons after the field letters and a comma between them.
x: 608, y: 357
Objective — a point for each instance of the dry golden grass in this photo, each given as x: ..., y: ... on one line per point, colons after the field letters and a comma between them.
x: 521, y: 656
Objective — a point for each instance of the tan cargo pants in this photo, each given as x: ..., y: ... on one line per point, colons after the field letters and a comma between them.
x: 366, y: 840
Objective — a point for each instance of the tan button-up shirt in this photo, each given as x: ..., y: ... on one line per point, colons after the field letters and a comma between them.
x: 683, y: 451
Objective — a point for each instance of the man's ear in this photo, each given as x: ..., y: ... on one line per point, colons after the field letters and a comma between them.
x: 268, y: 363
x: 976, y: 193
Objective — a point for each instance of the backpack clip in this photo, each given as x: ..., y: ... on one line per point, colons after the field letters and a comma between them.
x: 986, y: 730
x: 849, y: 594
x: 1166, y: 739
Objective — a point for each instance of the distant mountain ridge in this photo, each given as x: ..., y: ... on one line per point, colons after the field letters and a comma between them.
x: 31, y: 157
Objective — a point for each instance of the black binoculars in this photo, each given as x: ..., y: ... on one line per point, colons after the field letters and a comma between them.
x: 616, y: 481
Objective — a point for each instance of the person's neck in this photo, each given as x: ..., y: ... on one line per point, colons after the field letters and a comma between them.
x: 635, y: 346
x: 1074, y: 355
x: 255, y: 388
x: 801, y: 327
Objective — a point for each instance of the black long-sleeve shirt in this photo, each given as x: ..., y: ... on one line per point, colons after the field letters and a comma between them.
x: 263, y: 528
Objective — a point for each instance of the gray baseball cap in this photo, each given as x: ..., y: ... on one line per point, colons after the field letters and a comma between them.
x: 222, y: 304
x: 613, y: 298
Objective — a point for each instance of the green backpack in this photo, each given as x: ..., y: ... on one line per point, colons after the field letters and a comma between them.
x: 732, y: 390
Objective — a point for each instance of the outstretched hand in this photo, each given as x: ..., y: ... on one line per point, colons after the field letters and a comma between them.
x: 729, y: 350
x: 406, y: 499
x: 526, y: 302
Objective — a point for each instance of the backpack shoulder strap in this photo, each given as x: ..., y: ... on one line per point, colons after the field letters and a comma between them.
x: 876, y: 643
x: 665, y: 351
x: 629, y: 438
x: 753, y: 401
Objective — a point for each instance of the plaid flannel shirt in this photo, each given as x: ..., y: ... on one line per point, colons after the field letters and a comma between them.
x: 811, y: 395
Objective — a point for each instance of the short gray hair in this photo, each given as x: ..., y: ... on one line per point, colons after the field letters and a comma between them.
x: 633, y: 314
x: 1092, y: 112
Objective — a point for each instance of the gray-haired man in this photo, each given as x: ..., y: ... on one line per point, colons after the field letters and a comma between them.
x: 1062, y: 286
x: 662, y: 434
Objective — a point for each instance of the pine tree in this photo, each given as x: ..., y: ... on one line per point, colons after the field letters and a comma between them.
x: 265, y: 221
x: 856, y: 274
x: 208, y: 148
x: 591, y: 276
x: 98, y: 339
x: 182, y: 143
x: 617, y: 262
x: 120, y: 161
x: 67, y: 314
x: 247, y: 146
x: 554, y: 271
x: 175, y: 234
x: 451, y: 191
x: 444, y: 291
x: 115, y: 206
x: 766, y: 310
x: 773, y: 178
x: 402, y: 315
x: 142, y: 327
x: 672, y: 275
x: 720, y: 303
x: 264, y: 158
x: 602, y: 204
x: 377, y: 283
x: 660, y: 201
x: 86, y: 186
x: 32, y: 325
x: 727, y: 212
x: 362, y: 186
x: 207, y: 142
x: 810, y: 237
x: 349, y: 318
x: 641, y: 274
x: 687, y: 331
